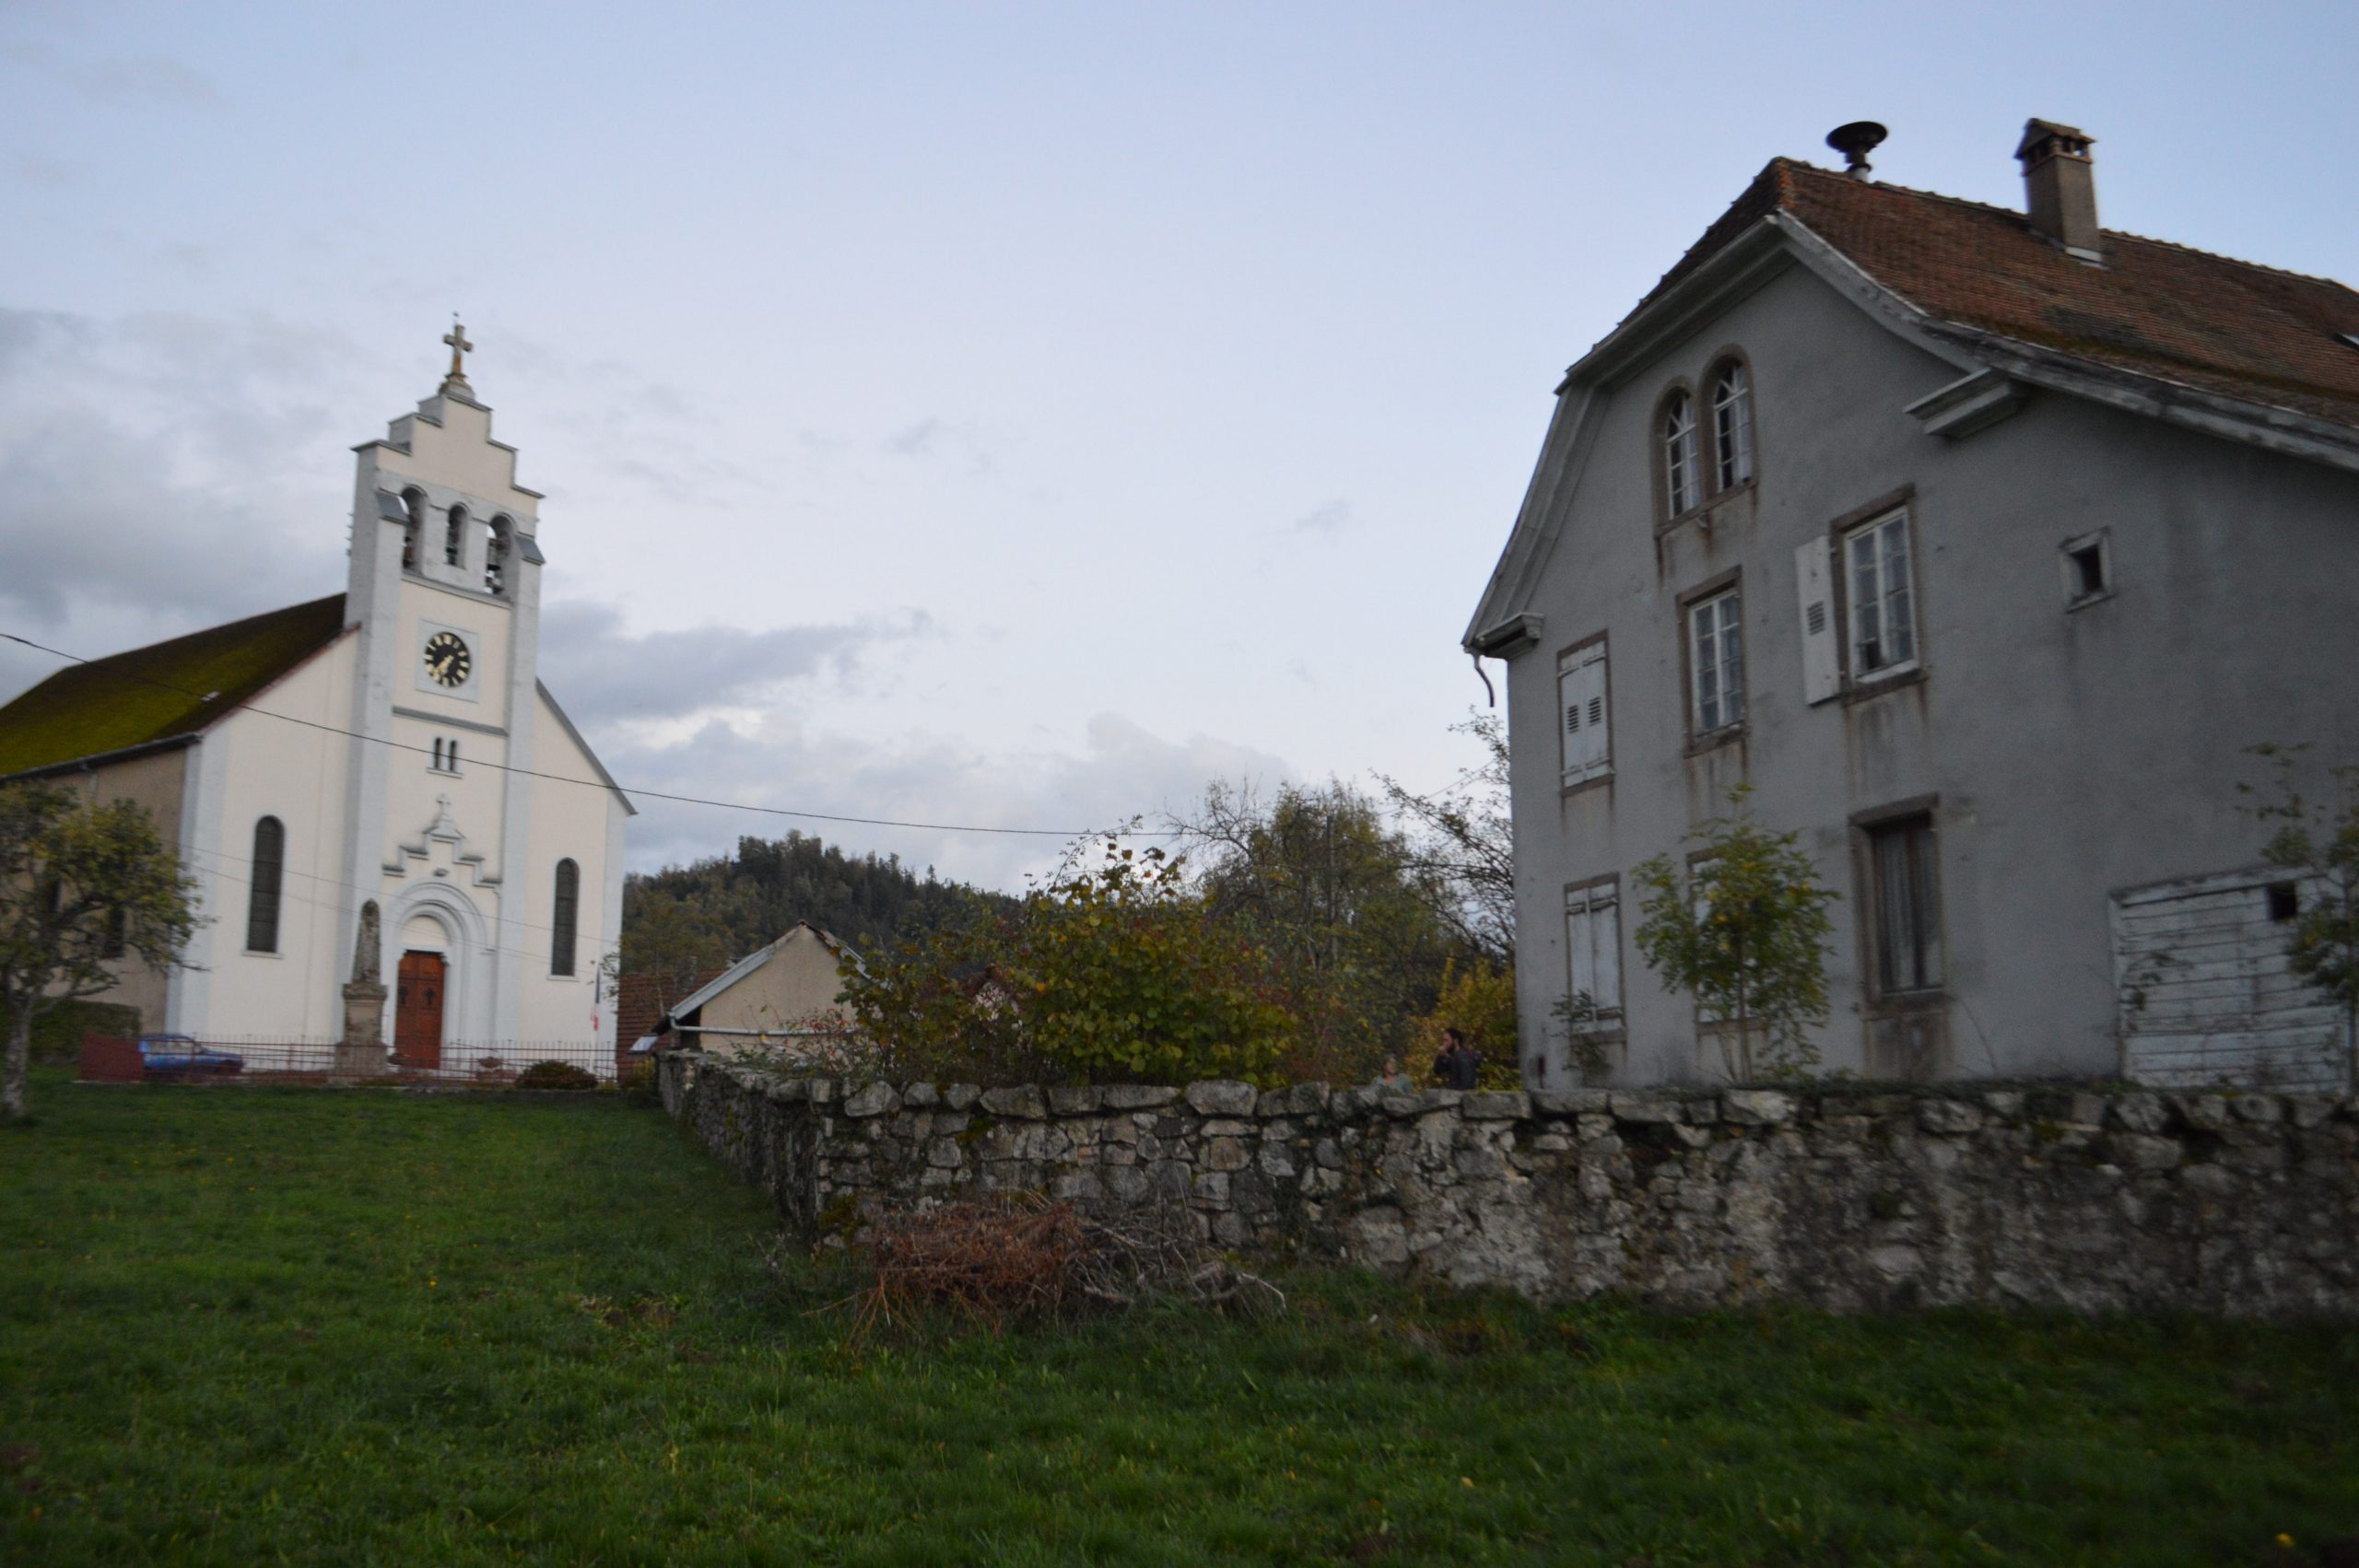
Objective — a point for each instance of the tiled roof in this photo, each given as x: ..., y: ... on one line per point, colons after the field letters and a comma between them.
x: 2213, y: 323
x: 161, y: 692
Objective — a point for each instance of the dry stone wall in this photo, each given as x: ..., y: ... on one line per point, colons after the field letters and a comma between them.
x: 2237, y: 1204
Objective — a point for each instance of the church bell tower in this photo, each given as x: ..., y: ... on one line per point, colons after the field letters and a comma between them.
x: 444, y: 591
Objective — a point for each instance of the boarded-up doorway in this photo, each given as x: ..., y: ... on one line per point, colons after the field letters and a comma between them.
x: 2209, y: 995
x: 418, y: 1011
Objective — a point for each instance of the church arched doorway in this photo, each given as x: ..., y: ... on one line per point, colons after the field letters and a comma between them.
x: 420, y: 986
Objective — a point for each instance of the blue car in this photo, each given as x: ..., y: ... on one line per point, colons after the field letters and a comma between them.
x: 182, y: 1054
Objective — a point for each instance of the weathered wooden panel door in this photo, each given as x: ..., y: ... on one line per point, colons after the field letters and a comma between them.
x: 418, y: 1011
x: 2208, y: 992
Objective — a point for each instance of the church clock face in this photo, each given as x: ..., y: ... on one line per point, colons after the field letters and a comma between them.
x: 448, y: 661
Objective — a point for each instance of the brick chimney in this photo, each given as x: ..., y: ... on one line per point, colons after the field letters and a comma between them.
x: 2061, y: 188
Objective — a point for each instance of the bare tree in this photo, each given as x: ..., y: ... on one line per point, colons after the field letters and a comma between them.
x: 1464, y: 837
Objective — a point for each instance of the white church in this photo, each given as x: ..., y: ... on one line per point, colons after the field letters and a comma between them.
x: 391, y: 743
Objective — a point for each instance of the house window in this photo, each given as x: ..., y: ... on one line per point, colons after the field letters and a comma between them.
x: 1593, y: 955
x: 1715, y: 663
x: 1883, y: 605
x: 454, y: 536
x: 495, y: 555
x: 1580, y: 705
x: 446, y: 756
x: 2088, y: 569
x: 262, y: 891
x: 561, y: 921
x: 1679, y: 453
x: 1733, y: 424
x: 1907, y: 932
x: 117, y: 933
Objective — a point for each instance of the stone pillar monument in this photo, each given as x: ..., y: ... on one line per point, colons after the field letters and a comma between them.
x: 361, y: 1053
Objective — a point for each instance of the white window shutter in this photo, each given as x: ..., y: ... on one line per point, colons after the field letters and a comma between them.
x: 1822, y: 663
x: 1605, y: 929
x: 1581, y: 950
x: 1593, y: 948
x: 1581, y: 715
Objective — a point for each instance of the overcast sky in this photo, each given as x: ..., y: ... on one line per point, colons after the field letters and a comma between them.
x: 1004, y: 415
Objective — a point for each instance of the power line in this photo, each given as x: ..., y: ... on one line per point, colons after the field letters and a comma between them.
x: 628, y: 790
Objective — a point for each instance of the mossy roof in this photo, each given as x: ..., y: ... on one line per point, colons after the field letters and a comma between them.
x: 164, y: 691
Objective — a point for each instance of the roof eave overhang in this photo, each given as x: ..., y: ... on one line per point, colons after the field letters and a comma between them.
x: 603, y: 776
x: 1743, y: 264
x: 695, y: 1001
x: 2281, y: 431
x: 1498, y: 628
x: 104, y: 759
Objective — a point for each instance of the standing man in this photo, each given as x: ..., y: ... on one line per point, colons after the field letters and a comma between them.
x: 1456, y: 1066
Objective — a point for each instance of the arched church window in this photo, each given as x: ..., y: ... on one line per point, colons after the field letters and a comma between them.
x: 454, y: 536
x: 262, y: 891
x: 414, y: 503
x: 561, y: 922
x: 497, y: 533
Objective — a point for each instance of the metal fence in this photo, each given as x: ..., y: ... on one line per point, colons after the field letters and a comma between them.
x: 489, y: 1064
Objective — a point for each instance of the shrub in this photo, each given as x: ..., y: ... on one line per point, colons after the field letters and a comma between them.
x: 638, y: 1083
x: 556, y: 1075
x: 1110, y: 975
x: 1742, y: 930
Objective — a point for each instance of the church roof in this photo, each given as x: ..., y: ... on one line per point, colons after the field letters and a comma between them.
x: 164, y: 693
x: 2233, y: 328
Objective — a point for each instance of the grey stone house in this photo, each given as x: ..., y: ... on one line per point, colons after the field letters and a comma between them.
x: 1980, y: 543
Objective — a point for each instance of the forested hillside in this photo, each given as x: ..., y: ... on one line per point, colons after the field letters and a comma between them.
x: 684, y: 918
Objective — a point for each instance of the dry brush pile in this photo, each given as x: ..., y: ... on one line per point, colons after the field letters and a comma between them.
x: 1016, y: 1258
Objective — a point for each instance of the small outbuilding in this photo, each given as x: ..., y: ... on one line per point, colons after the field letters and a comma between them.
x: 773, y: 996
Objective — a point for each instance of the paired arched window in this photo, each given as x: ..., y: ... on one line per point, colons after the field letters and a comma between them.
x: 1733, y: 424
x: 1679, y: 482
x: 497, y: 534
x: 261, y: 889
x: 563, y: 917
x: 454, y: 536
x: 414, y: 531
x: 1691, y: 470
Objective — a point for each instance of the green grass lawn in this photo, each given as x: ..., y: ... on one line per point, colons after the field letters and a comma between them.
x: 243, y: 1325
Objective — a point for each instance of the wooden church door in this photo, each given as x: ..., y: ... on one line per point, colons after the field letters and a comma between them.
x: 418, y: 1011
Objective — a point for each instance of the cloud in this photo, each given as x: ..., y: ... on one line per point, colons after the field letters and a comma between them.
x: 142, y: 463
x: 1120, y: 770
x: 1333, y: 518
x: 52, y: 173
x: 611, y: 677
x: 937, y: 440
x: 147, y: 78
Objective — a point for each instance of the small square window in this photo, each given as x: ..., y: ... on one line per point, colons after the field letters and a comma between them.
x: 2088, y: 569
x: 2285, y: 902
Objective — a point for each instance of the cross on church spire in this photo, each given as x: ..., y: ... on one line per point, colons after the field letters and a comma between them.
x: 457, y: 338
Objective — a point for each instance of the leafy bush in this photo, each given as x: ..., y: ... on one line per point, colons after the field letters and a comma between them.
x: 1743, y: 930
x: 2318, y: 841
x: 638, y: 1083
x: 556, y: 1075
x: 1107, y: 974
